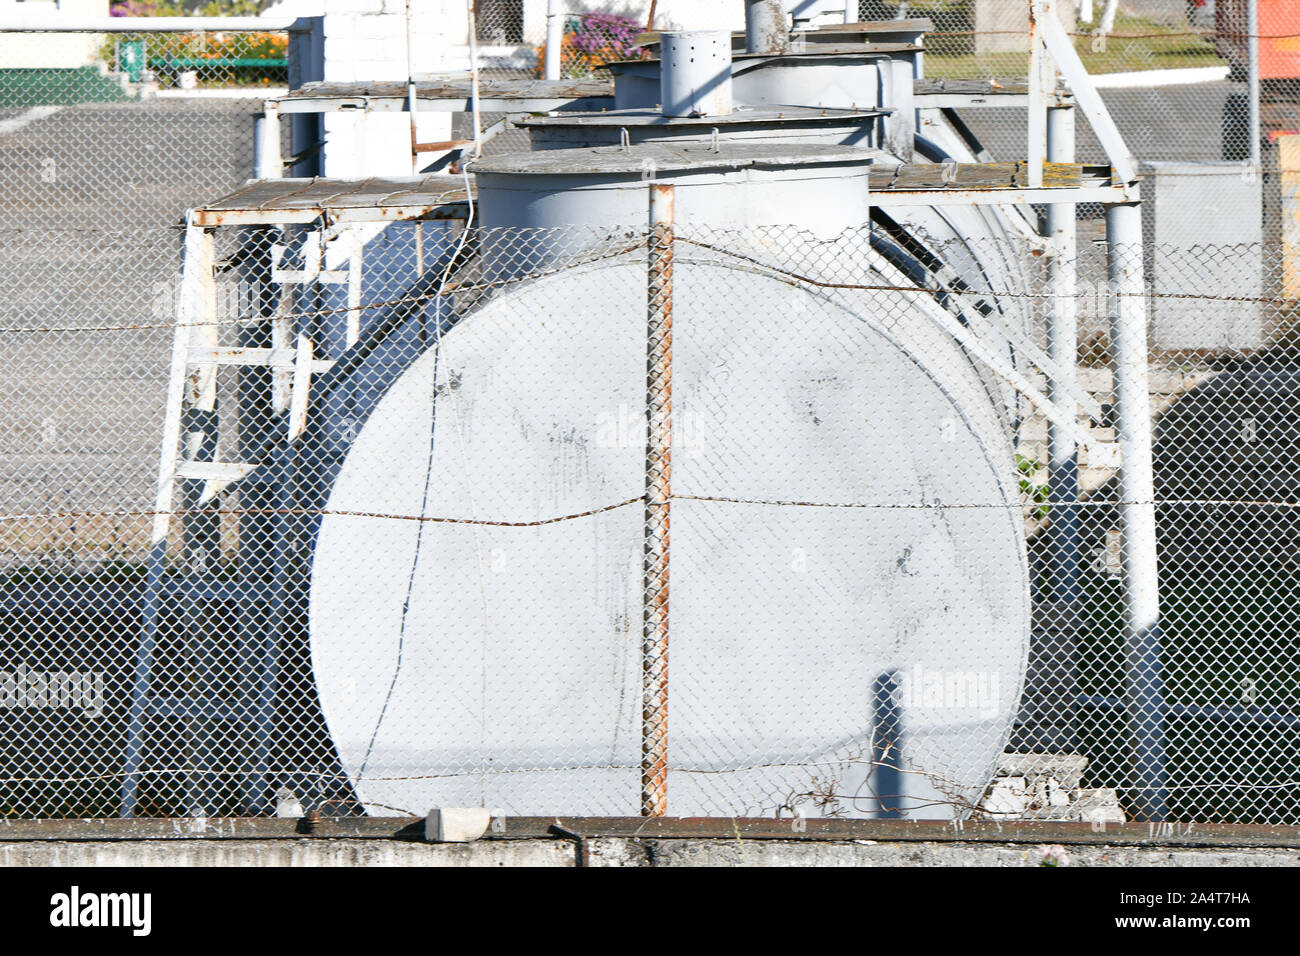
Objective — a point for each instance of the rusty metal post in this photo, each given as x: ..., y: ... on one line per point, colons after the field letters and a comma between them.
x: 658, y: 489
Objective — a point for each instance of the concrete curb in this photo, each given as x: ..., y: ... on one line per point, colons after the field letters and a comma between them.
x: 1148, y: 78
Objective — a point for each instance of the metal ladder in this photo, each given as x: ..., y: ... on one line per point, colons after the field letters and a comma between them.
x: 188, y: 464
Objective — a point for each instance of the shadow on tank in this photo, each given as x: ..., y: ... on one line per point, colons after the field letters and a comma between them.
x: 1227, y: 481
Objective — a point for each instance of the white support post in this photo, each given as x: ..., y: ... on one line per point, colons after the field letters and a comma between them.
x: 554, y: 37
x: 1063, y: 327
x: 1036, y: 148
x: 1107, y: 24
x: 1064, y: 544
x: 1144, y: 696
x: 473, y: 77
x: 267, y: 160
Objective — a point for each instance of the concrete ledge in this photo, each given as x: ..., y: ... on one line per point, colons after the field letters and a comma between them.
x: 615, y: 851
x: 585, y: 830
x: 1148, y: 78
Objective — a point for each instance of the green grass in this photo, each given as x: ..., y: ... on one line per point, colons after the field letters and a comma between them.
x: 1136, y: 44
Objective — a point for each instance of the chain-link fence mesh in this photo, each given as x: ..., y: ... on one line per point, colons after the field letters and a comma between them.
x: 401, y: 564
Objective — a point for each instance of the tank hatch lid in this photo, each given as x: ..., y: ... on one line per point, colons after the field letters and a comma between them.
x: 740, y: 115
x: 831, y: 31
x: 664, y: 158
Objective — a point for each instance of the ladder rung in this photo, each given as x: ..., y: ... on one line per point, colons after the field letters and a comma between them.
x: 214, y: 470
x: 261, y: 358
x: 324, y: 277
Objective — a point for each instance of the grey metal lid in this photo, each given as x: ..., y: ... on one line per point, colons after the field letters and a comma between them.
x: 665, y: 158
x: 811, y: 51
x: 741, y: 115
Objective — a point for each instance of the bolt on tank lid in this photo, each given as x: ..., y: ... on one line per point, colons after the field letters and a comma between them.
x: 666, y: 158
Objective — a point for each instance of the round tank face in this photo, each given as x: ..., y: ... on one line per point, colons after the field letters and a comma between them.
x: 483, y: 646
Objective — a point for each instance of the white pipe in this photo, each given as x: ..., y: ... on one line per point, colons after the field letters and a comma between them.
x: 1063, y: 538
x: 1252, y: 83
x: 473, y: 78
x: 1107, y: 24
x: 1063, y: 328
x: 70, y: 24
x: 267, y: 161
x: 1145, y: 695
x: 554, y: 37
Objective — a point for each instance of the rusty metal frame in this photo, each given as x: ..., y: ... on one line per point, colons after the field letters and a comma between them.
x: 658, y: 501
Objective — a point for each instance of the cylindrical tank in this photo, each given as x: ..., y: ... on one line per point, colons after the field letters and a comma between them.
x: 553, y: 196
x: 750, y: 124
x: 832, y: 79
x: 822, y: 438
x: 695, y: 78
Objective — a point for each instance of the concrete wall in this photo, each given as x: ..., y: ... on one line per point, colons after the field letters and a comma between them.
x: 622, y: 851
x: 367, y: 40
x: 50, y: 50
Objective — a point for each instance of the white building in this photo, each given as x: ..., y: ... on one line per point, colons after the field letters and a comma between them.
x: 55, y: 50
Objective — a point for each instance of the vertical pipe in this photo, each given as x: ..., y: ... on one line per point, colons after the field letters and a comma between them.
x: 473, y: 77
x: 658, y: 491
x: 1252, y: 83
x: 887, y: 747
x: 1145, y: 695
x: 765, y: 27
x: 554, y: 37
x: 267, y: 161
x: 1037, y: 118
x: 411, y: 100
x: 1063, y: 538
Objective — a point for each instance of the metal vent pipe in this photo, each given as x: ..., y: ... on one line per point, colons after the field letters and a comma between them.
x: 766, y: 27
x: 695, y: 73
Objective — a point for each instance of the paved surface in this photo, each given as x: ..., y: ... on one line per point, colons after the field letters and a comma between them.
x: 1200, y: 122
x: 86, y: 214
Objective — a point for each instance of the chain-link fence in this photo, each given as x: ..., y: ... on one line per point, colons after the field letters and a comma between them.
x: 400, y: 556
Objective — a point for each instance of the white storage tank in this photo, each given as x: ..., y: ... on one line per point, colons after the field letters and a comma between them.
x: 817, y: 433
